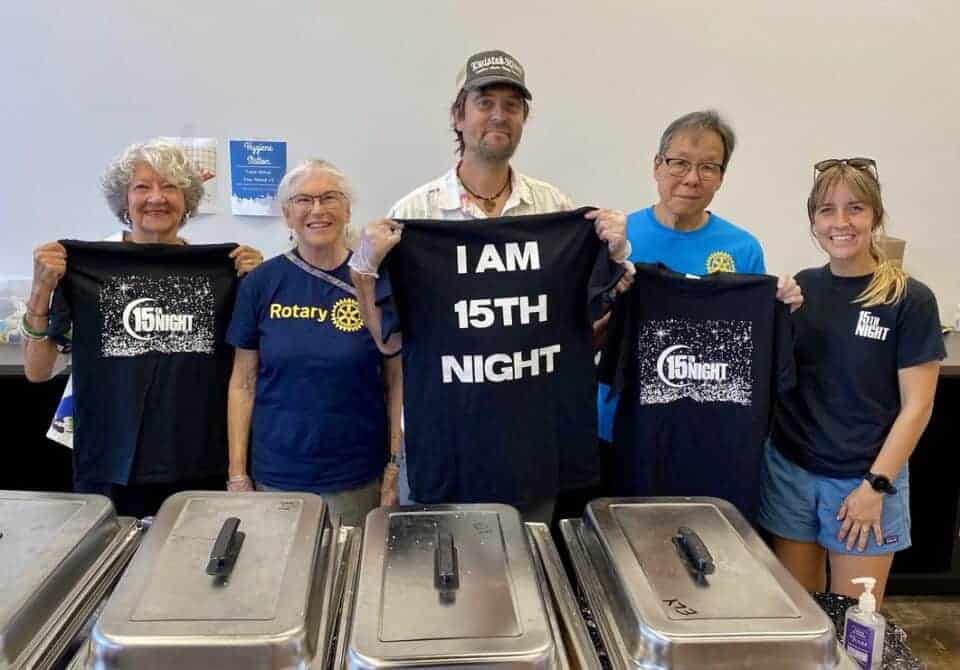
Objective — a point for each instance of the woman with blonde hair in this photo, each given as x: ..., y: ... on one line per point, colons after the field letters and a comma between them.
x: 868, y: 345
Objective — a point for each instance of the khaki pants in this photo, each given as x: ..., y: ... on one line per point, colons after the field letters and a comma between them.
x: 351, y: 505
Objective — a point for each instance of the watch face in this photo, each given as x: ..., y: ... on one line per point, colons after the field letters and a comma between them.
x: 880, y: 483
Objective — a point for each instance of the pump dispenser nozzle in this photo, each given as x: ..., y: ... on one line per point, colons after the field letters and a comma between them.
x: 868, y: 603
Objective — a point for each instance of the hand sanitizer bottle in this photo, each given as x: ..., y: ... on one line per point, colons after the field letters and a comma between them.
x: 864, y: 628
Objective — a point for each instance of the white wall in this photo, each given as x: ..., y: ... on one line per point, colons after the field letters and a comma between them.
x: 367, y: 85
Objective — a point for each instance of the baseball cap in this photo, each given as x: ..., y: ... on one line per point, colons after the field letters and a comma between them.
x: 491, y: 67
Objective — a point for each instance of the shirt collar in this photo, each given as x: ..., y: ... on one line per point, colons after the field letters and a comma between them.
x: 519, y: 193
x: 450, y: 193
x: 453, y: 197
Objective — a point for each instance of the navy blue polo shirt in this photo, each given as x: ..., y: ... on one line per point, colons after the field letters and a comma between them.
x: 319, y: 416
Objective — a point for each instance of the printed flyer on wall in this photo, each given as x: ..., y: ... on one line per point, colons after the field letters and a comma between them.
x: 256, y: 168
x: 202, y: 151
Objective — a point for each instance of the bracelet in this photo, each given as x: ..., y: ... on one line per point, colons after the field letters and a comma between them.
x: 238, y: 478
x: 45, y: 314
x: 29, y: 333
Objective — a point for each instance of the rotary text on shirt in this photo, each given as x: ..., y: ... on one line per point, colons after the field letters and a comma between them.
x: 278, y: 311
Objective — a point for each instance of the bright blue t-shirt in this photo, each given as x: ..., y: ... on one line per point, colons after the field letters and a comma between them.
x: 717, y: 246
x: 319, y: 414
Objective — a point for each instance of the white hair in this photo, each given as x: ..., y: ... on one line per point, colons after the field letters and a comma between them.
x: 309, y: 167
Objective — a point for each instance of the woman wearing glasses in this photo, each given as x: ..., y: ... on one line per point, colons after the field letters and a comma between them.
x: 307, y: 394
x: 868, y: 346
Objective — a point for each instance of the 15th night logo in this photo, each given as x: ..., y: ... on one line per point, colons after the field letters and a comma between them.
x: 705, y: 361
x: 156, y: 315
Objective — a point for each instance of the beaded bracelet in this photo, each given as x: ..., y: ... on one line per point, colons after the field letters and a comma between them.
x: 29, y: 333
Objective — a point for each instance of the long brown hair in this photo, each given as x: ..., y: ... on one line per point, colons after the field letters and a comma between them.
x: 889, y: 282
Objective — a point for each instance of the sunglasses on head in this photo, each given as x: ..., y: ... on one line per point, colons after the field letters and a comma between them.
x: 863, y: 164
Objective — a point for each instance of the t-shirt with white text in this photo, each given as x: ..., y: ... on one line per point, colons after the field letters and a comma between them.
x: 150, y: 362
x: 496, y: 316
x: 699, y: 363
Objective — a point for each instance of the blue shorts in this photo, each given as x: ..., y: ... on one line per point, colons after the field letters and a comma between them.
x: 799, y: 505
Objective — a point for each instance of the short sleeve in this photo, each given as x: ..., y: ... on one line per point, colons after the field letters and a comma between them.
x: 784, y: 358
x: 603, y: 278
x: 384, y: 299
x: 60, y: 322
x: 616, y: 358
x: 244, y: 329
x: 919, y: 338
x: 760, y: 266
x: 756, y: 264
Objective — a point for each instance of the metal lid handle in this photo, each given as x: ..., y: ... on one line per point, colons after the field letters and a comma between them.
x: 693, y: 552
x: 225, y: 550
x: 446, y: 569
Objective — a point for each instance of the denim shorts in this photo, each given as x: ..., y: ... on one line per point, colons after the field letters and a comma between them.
x: 799, y: 505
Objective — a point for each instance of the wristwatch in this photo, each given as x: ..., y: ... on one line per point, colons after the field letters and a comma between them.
x: 880, y: 483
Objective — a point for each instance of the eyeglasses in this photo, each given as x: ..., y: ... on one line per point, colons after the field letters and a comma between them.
x: 680, y: 167
x: 327, y: 200
x: 862, y: 164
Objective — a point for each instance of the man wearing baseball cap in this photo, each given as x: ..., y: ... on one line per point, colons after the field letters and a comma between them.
x: 487, y: 116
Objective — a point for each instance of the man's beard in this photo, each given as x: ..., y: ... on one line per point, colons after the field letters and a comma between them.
x: 496, y: 154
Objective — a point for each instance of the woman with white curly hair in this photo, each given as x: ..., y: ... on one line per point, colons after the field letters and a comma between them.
x: 152, y: 188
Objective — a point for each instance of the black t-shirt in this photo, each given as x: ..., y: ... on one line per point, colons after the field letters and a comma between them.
x: 499, y: 393
x: 847, y: 395
x: 150, y: 363
x: 699, y: 363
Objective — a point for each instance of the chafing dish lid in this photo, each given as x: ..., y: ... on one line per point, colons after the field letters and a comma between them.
x: 47, y: 542
x: 203, y: 594
x: 739, y: 587
x: 452, y: 582
x: 637, y: 543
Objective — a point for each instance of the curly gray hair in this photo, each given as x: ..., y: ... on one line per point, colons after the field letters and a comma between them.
x: 167, y: 160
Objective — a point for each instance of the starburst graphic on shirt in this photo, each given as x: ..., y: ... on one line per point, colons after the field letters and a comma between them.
x: 705, y: 361
x: 146, y: 314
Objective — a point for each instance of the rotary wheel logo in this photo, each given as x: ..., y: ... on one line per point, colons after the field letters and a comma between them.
x: 720, y: 261
x: 346, y: 315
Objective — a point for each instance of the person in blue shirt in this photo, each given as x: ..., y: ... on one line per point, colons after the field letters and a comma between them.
x: 679, y: 231
x: 310, y: 389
